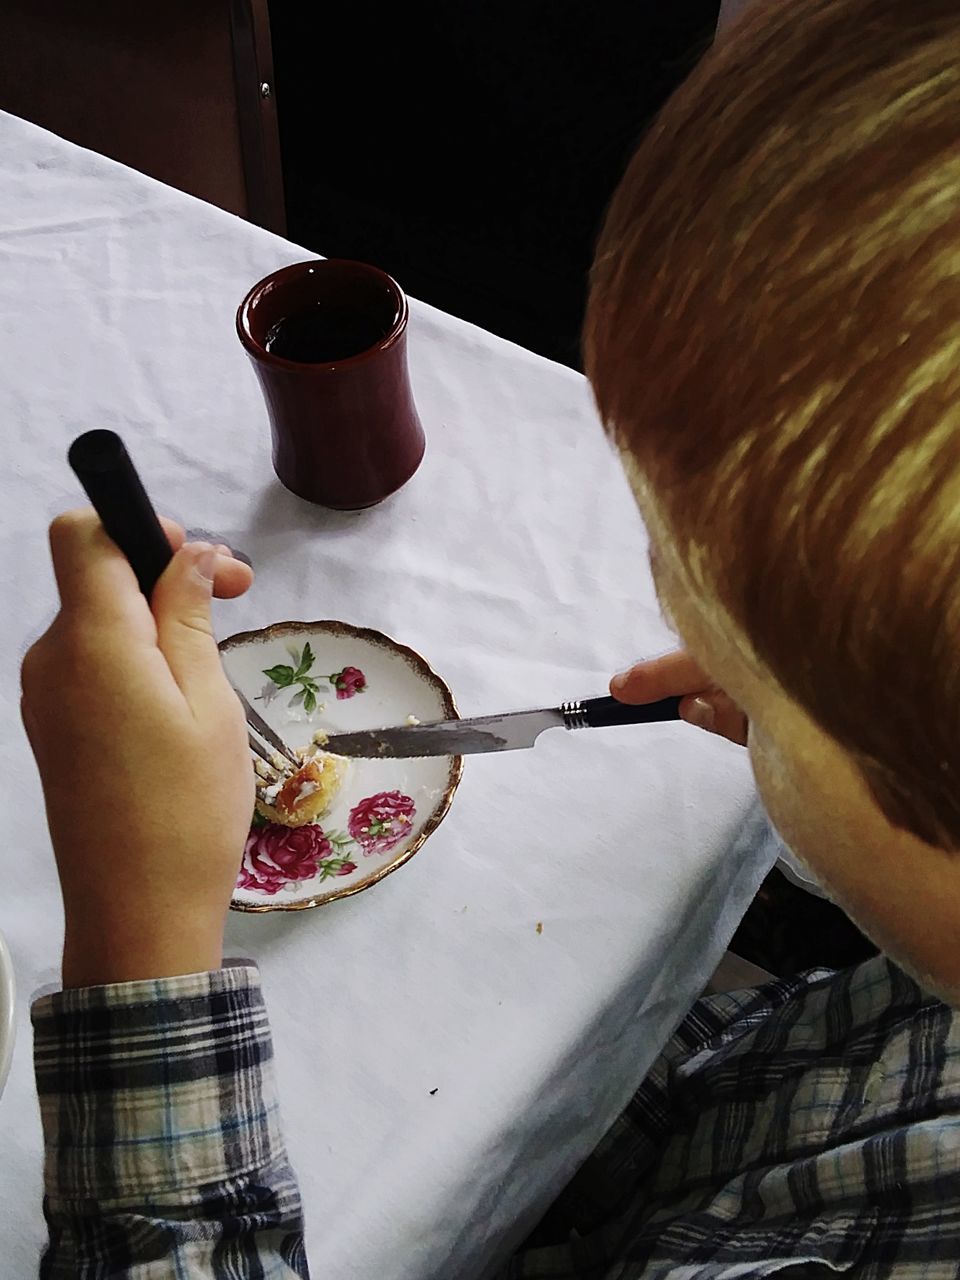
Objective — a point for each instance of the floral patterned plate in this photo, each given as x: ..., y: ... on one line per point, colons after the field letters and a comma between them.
x: 330, y: 677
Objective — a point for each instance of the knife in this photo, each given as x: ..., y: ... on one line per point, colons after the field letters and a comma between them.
x: 507, y: 732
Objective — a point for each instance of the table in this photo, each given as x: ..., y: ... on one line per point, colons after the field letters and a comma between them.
x: 444, y: 1062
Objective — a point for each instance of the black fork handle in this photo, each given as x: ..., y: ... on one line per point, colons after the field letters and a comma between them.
x: 104, y: 468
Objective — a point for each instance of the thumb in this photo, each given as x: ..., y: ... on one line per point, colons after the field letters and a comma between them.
x: 181, y: 609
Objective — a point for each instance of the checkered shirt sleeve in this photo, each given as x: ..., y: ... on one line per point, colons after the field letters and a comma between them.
x: 163, y: 1150
x: 807, y: 1128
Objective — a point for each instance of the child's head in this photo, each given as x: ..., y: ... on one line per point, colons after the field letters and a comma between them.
x: 773, y: 337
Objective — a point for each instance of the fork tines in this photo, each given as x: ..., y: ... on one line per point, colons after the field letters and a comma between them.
x: 272, y: 769
x: 273, y: 761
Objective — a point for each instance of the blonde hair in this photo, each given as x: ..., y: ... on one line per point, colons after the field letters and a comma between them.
x: 773, y: 337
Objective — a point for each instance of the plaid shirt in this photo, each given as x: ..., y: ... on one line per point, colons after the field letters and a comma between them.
x: 806, y: 1128
x: 164, y: 1156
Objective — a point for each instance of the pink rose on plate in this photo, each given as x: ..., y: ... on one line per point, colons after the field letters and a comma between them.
x: 349, y: 681
x: 381, y: 821
x: 275, y: 856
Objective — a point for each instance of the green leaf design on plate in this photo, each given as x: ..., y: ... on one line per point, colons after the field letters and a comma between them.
x: 306, y: 660
x: 285, y: 677
x: 331, y: 866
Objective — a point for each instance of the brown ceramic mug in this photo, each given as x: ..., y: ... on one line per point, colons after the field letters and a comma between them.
x: 328, y: 341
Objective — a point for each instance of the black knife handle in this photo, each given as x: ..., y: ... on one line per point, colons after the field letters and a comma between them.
x: 111, y: 482
x: 602, y: 713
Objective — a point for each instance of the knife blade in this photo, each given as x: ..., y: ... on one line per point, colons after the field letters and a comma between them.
x: 511, y: 731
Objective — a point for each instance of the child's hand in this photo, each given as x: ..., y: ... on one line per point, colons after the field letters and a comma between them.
x: 141, y: 747
x: 708, y: 706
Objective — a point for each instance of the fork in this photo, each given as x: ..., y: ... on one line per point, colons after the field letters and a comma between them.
x: 102, y: 465
x: 271, y: 767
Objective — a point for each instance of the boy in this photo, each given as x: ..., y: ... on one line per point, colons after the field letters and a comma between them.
x: 774, y: 339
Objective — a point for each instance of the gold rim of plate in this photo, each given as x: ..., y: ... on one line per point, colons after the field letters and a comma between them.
x: 277, y: 630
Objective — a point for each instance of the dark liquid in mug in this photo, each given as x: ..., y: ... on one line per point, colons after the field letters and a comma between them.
x: 321, y: 335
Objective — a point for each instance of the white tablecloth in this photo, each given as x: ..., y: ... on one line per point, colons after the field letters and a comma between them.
x: 443, y: 1065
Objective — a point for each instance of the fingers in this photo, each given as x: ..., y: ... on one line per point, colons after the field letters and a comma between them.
x: 231, y: 577
x: 92, y: 572
x: 706, y: 705
x: 673, y: 673
x: 181, y: 608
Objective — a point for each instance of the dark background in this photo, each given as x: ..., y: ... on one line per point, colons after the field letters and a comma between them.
x: 470, y: 149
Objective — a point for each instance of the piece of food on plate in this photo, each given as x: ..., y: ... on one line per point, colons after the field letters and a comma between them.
x: 307, y: 795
